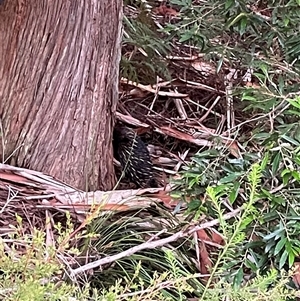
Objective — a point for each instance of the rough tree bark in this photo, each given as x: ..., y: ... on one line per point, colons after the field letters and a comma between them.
x: 59, y: 64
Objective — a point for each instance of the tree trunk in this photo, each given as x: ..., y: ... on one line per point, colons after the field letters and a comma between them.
x: 59, y: 63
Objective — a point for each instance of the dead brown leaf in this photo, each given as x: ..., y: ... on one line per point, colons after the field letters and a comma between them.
x: 165, y: 11
x: 205, y: 263
x: 212, y: 237
x: 296, y: 276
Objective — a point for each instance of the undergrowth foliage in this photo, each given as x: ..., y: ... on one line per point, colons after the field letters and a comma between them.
x: 29, y: 270
x: 263, y: 181
x: 143, y: 51
x: 32, y: 274
x: 261, y: 37
x: 261, y: 243
x: 266, y: 183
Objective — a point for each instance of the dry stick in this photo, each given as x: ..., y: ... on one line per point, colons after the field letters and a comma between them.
x: 150, y: 245
x: 210, y: 109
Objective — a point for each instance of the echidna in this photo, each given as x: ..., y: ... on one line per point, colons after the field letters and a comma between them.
x: 134, y: 157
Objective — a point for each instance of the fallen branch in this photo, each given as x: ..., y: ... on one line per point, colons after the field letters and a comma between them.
x: 150, y: 245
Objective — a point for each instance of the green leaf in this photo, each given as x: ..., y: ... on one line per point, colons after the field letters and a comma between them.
x: 276, y: 161
x: 230, y: 178
x: 296, y: 175
x: 185, y: 37
x: 269, y: 246
x: 283, y: 259
x: 243, y: 25
x: 290, y: 140
x: 286, y: 176
x: 238, y: 278
x: 248, y: 97
x: 265, y: 161
x: 234, y: 192
x: 246, y: 221
x: 264, y: 68
x: 291, y: 259
x: 249, y: 264
x: 280, y: 245
x: 294, y: 103
x: 273, y: 234
x: 194, y: 204
x: 220, y: 189
x: 230, y: 3
x: 233, y: 21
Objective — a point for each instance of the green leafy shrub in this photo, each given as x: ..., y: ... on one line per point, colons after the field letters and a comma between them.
x: 31, y: 271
